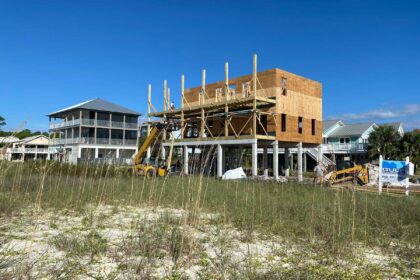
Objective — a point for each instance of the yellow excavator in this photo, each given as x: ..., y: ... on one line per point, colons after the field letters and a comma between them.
x: 349, y: 171
x: 148, y: 167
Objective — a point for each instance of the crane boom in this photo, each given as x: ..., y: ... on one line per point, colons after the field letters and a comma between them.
x: 154, y: 133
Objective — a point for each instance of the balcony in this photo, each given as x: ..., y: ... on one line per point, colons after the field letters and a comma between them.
x: 344, y: 148
x: 23, y: 150
x: 91, y: 122
x: 91, y: 140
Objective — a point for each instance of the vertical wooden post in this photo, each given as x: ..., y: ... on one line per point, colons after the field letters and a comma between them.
x: 203, y: 86
x: 165, y: 87
x: 226, y: 97
x: 203, y: 90
x: 254, y: 107
x: 182, y: 106
x: 168, y: 97
x: 165, y: 102
x: 149, y: 100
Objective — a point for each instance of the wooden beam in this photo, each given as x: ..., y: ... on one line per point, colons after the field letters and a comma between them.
x: 226, y: 98
x: 165, y: 88
x: 182, y: 107
x: 254, y: 103
x: 203, y: 87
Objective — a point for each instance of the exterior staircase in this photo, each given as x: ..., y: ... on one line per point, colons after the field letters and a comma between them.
x: 314, y: 153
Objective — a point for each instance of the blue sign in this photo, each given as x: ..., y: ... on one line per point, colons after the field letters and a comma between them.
x: 394, y: 172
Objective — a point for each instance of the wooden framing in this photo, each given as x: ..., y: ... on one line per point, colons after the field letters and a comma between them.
x: 249, y: 106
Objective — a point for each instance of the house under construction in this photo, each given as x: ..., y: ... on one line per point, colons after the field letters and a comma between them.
x: 267, y: 112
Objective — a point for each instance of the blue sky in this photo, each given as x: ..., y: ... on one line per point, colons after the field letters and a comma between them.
x: 54, y: 54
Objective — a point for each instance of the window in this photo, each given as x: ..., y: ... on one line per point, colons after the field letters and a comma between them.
x: 284, y: 86
x: 300, y: 125
x: 283, y: 122
x: 345, y: 140
x: 313, y: 126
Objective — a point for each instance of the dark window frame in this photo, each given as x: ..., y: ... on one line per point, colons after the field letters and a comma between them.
x: 313, y: 126
x: 283, y: 122
x: 300, y: 125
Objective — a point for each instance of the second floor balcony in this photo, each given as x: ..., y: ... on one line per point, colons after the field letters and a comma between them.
x: 25, y: 150
x: 344, y: 148
x: 94, y: 141
x: 92, y: 122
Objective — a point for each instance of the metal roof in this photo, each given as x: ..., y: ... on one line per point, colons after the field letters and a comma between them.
x: 356, y: 129
x: 9, y: 139
x: 395, y: 125
x: 327, y: 124
x: 98, y: 105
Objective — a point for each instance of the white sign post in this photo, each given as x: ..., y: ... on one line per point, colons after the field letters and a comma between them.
x: 407, y: 171
x: 380, y: 175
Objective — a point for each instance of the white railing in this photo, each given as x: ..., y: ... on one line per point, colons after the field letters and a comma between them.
x: 131, y: 125
x: 117, y: 142
x: 130, y: 142
x: 91, y: 122
x: 346, y: 147
x: 91, y: 140
x: 64, y: 124
x: 117, y: 124
x: 22, y: 150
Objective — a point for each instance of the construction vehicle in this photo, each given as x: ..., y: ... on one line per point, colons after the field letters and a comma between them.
x: 349, y: 171
x: 151, y: 167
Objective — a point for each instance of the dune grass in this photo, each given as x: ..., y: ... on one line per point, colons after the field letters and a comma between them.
x: 337, y: 219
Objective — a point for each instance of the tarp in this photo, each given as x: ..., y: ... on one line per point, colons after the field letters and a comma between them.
x: 237, y: 173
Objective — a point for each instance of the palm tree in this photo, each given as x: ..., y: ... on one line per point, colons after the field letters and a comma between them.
x: 410, y: 146
x: 384, y: 140
x: 2, y: 121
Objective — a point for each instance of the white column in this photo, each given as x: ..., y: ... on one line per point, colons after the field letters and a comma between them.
x: 304, y: 162
x: 110, y: 128
x: 254, y: 159
x: 96, y: 124
x: 185, y: 159
x: 117, y: 155
x: 276, y: 159
x: 380, y: 175
x: 265, y: 161
x: 407, y: 181
x: 300, y: 174
x: 219, y: 160
x: 291, y: 162
x: 96, y: 152
x: 286, y: 162
x: 79, y: 152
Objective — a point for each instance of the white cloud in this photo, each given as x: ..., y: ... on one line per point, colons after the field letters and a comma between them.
x: 381, y: 114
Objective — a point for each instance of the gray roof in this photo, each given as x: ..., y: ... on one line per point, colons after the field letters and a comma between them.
x: 327, y: 124
x: 356, y: 129
x: 395, y: 125
x: 98, y: 105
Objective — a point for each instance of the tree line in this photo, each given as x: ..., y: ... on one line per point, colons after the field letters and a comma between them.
x: 386, y: 141
x: 21, y: 134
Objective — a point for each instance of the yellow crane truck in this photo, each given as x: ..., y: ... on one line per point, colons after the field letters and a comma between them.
x: 349, y: 171
x: 147, y: 167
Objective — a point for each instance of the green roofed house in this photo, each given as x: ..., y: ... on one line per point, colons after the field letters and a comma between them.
x: 95, y: 130
x: 350, y: 140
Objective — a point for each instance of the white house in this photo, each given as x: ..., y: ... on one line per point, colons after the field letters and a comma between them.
x: 29, y: 148
x: 95, y: 130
